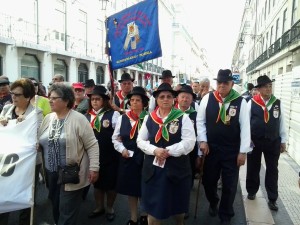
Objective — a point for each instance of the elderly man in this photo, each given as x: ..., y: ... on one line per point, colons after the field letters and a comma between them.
x: 58, y: 78
x: 224, y: 135
x: 185, y: 102
x: 81, y: 101
x: 120, y: 98
x: 269, y: 137
x: 5, y: 97
x: 166, y: 77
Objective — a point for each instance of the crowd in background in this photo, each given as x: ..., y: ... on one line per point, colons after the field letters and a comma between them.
x: 148, y: 144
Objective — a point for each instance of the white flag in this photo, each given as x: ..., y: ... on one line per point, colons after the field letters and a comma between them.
x: 17, y: 163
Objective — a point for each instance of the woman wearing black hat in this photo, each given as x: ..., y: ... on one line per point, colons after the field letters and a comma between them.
x: 166, y: 137
x: 103, y: 120
x: 131, y: 162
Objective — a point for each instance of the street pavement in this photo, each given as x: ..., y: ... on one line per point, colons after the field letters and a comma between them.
x: 43, y: 210
x: 288, y: 202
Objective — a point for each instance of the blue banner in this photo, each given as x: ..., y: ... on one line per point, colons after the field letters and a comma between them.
x: 133, y: 34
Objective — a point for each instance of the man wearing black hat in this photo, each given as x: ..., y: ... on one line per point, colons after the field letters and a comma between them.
x: 120, y: 98
x: 89, y: 86
x: 166, y: 77
x: 186, y: 103
x: 269, y: 137
x: 5, y: 97
x: 224, y: 135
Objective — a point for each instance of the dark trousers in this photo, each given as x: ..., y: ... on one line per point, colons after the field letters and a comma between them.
x: 65, y: 204
x: 271, y: 151
x: 221, y: 161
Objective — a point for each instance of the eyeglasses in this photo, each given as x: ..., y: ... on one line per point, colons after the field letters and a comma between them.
x: 161, y: 97
x: 54, y: 98
x: 78, y: 90
x: 35, y: 84
x: 96, y: 99
x: 16, y: 94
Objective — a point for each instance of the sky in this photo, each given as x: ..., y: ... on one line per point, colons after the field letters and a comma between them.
x: 216, y: 24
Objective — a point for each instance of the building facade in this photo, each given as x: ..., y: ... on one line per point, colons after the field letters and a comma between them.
x: 269, y: 43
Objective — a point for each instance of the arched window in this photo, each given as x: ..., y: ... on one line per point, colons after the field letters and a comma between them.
x: 100, y: 75
x: 83, y: 73
x: 60, y: 67
x: 30, y: 66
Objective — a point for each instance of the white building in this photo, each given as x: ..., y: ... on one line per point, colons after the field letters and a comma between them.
x: 41, y: 38
x: 270, y: 38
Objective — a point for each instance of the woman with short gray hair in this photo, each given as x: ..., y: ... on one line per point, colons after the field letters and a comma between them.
x: 67, y: 139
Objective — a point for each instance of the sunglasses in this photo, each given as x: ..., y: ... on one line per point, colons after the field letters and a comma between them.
x: 35, y: 84
x: 78, y: 90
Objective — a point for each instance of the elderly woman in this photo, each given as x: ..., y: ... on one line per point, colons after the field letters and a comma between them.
x: 22, y: 91
x: 166, y: 137
x: 131, y: 162
x: 103, y: 120
x: 67, y: 139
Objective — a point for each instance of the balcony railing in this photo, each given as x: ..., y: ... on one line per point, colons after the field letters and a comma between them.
x: 283, y: 42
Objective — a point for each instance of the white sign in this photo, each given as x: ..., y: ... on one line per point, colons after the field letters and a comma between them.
x: 17, y: 163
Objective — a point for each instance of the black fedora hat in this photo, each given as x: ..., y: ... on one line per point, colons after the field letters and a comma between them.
x: 263, y: 80
x: 187, y: 89
x: 126, y: 77
x: 164, y: 87
x: 89, y: 83
x: 138, y: 90
x: 224, y: 75
x: 100, y: 90
x: 166, y: 74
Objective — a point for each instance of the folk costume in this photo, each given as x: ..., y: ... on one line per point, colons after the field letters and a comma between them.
x: 103, y: 123
x: 119, y: 99
x: 267, y: 133
x: 224, y: 125
x: 166, y: 189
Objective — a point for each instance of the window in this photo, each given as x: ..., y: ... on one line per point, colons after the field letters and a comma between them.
x: 266, y: 5
x: 274, y: 1
x: 271, y: 35
x: 295, y: 13
x: 60, y: 67
x: 277, y: 29
x: 83, y: 73
x: 267, y: 40
x: 82, y: 30
x: 100, y: 35
x: 140, y: 80
x: 30, y: 66
x: 60, y: 20
x: 284, y: 20
x: 100, y: 75
x: 1, y: 65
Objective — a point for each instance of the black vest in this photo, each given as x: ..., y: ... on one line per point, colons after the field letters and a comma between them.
x: 260, y: 129
x: 177, y: 167
x: 219, y: 133
x: 117, y: 102
x: 130, y: 144
x: 107, y: 152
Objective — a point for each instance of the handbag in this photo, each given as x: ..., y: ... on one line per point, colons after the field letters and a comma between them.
x: 70, y: 173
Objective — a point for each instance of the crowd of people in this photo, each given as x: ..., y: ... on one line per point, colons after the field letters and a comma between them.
x: 149, y: 148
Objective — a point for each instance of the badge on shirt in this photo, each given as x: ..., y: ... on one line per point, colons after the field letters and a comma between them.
x: 173, y: 126
x: 232, y: 110
x: 105, y: 123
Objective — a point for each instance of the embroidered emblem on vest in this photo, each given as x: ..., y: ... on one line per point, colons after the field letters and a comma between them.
x: 105, y: 123
x: 173, y: 126
x: 232, y: 110
x: 276, y: 111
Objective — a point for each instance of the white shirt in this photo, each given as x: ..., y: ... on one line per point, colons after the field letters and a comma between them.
x: 183, y: 147
x: 282, y: 131
x: 244, y: 120
x: 117, y: 144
